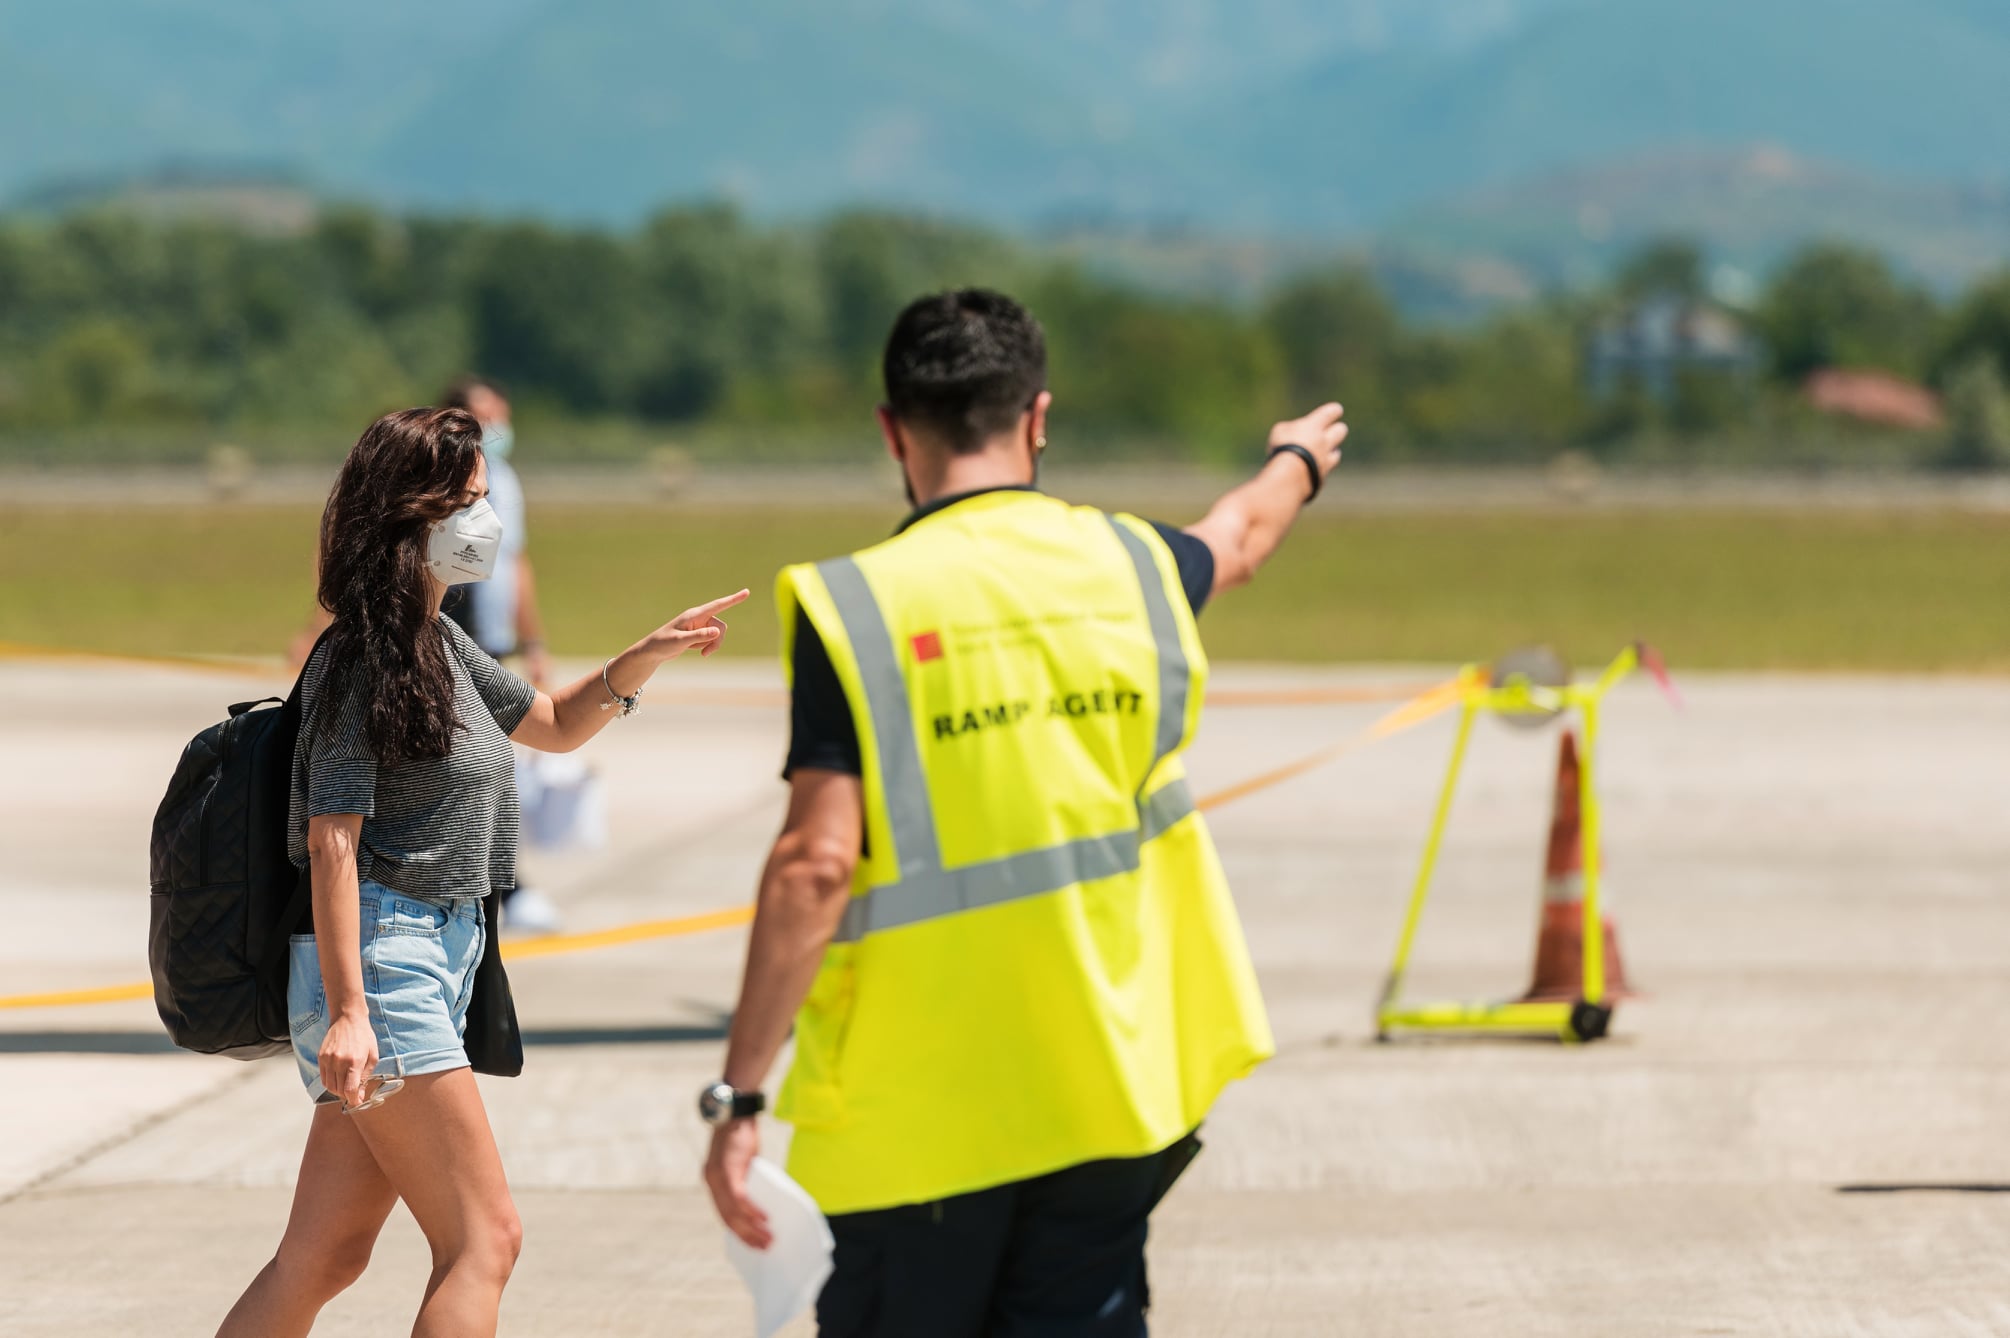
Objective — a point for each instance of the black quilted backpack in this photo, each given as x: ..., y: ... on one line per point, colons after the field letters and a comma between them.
x: 225, y: 897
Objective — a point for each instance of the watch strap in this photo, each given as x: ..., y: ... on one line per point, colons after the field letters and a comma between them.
x: 1306, y: 457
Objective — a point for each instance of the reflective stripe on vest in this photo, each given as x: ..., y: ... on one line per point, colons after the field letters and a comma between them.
x: 925, y: 890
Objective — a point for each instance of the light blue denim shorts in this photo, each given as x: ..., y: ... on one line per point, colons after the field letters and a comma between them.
x: 419, y: 961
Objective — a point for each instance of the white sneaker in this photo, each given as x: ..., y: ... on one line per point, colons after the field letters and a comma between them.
x: 529, y: 911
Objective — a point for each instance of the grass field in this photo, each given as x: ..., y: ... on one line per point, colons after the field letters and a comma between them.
x: 1715, y: 589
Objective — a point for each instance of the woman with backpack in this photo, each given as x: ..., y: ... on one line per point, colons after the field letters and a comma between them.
x: 404, y: 813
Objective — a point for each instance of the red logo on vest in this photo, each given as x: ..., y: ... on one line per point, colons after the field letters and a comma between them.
x: 927, y: 646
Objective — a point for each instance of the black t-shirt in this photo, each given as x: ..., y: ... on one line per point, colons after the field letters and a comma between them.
x: 822, y: 735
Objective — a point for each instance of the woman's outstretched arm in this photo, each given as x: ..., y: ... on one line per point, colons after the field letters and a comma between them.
x: 561, y: 721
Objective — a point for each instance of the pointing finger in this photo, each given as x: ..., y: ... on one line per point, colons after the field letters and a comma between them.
x: 704, y: 611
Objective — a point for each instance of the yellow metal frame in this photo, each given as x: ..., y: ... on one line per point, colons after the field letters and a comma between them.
x: 1582, y: 1019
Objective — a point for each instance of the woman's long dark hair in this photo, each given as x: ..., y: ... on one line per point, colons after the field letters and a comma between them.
x: 409, y: 470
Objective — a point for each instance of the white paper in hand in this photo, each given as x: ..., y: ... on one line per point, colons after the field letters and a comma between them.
x: 786, y: 1277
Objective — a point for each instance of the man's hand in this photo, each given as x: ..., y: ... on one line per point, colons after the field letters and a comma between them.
x: 804, y: 891
x: 1319, y: 432
x: 734, y: 1147
x: 1245, y: 527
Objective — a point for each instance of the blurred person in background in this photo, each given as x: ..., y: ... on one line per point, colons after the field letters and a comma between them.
x: 501, y: 613
x: 993, y: 918
x: 404, y: 818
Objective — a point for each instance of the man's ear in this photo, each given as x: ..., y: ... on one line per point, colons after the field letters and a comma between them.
x: 1037, y: 420
x: 889, y: 427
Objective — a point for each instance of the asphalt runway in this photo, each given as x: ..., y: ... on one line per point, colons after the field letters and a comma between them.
x: 1799, y: 1129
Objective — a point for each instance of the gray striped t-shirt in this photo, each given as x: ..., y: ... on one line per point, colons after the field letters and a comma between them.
x: 438, y: 828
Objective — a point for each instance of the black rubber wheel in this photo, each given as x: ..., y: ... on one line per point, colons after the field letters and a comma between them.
x: 1590, y: 1021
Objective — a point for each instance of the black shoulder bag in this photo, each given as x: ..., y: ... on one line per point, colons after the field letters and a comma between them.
x: 493, y: 1043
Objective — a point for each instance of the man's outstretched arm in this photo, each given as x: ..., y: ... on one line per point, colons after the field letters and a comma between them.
x: 804, y: 891
x: 1245, y: 527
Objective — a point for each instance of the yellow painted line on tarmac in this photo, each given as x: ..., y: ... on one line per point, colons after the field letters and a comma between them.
x: 142, y: 989
x: 1410, y: 714
x: 16, y: 650
x: 548, y: 946
x: 553, y: 944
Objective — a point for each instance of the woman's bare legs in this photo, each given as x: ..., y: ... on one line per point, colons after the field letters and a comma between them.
x: 429, y: 1145
x: 339, y: 1206
x: 433, y: 1145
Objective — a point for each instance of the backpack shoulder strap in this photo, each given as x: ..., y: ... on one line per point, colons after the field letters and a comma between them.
x: 299, y: 916
x: 300, y: 679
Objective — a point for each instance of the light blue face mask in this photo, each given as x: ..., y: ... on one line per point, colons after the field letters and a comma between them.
x: 497, y: 439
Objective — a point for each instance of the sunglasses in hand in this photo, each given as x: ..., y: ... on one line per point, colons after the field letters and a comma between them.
x: 376, y: 1091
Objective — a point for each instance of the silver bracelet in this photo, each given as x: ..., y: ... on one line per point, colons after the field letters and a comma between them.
x: 629, y: 705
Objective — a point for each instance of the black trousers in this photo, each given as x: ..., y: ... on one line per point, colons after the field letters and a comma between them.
x: 1057, y: 1256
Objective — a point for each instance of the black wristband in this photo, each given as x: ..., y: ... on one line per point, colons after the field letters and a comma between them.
x: 1311, y: 466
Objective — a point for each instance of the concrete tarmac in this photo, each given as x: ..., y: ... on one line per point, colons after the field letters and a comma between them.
x: 1798, y: 1129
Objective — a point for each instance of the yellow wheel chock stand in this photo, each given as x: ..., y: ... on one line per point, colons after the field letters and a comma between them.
x: 1589, y: 1016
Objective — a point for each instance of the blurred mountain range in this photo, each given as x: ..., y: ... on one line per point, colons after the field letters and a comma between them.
x: 1542, y: 134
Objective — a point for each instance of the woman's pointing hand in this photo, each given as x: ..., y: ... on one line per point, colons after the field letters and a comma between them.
x: 701, y: 628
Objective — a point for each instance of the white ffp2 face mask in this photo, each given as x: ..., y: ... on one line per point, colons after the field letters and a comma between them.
x: 464, y: 546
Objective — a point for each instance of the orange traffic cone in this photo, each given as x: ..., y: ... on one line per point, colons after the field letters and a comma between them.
x: 1559, y: 946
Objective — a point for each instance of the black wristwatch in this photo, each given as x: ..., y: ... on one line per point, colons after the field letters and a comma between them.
x: 722, y: 1103
x: 1311, y: 465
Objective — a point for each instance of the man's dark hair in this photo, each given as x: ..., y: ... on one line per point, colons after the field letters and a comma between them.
x: 964, y: 365
x: 464, y: 387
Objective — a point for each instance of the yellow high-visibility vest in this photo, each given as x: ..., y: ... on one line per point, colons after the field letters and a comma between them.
x: 1040, y: 964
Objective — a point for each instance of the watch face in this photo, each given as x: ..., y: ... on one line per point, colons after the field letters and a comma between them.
x: 715, y: 1103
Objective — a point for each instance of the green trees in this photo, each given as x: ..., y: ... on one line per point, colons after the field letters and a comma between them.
x: 1181, y: 378
x: 1978, y: 416
x: 559, y: 314
x: 1672, y: 267
x: 1337, y: 337
x: 1835, y: 305
x: 116, y: 328
x: 1980, y: 326
x: 1505, y: 390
